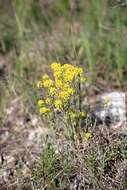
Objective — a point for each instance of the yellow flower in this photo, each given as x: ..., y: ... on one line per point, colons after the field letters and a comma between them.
x: 65, y: 86
x: 58, y: 83
x: 57, y: 70
x: 40, y: 102
x: 61, y: 87
x: 82, y: 114
x: 79, y: 71
x: 69, y: 76
x: 68, y: 73
x: 53, y: 91
x: 68, y: 66
x: 70, y: 91
x: 82, y: 79
x: 64, y: 95
x: 88, y: 136
x: 73, y: 115
x: 44, y: 110
x: 55, y: 66
x: 48, y: 101
x: 44, y: 77
x: 47, y: 83
x: 57, y: 74
x: 58, y: 104
x: 39, y: 84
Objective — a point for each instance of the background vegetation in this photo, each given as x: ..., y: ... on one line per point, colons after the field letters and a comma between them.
x: 92, y: 34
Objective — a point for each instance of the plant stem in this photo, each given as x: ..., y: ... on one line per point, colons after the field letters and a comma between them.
x: 79, y: 96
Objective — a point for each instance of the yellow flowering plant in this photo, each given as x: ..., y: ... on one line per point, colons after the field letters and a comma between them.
x: 62, y: 95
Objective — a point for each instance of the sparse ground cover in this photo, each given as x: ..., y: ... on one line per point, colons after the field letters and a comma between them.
x: 33, y: 34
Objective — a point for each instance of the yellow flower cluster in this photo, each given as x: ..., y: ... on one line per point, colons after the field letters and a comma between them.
x: 39, y: 84
x: 74, y: 115
x: 58, y: 104
x: 82, y: 114
x: 65, y: 94
x: 44, y: 110
x: 66, y: 73
x: 40, y: 103
x: 88, y: 136
x: 61, y: 88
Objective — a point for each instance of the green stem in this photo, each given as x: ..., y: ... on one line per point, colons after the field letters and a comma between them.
x: 78, y: 126
x: 79, y: 102
x: 79, y: 96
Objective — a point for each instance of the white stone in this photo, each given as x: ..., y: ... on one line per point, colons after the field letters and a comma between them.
x: 112, y: 105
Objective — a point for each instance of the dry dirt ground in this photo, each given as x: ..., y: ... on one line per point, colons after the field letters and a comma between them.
x: 21, y: 135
